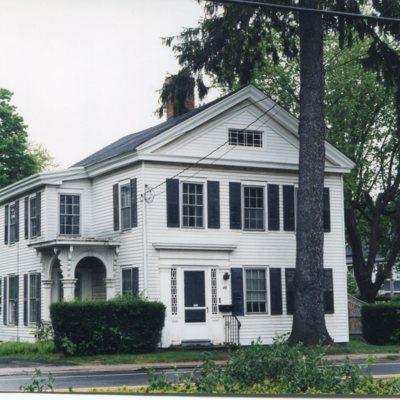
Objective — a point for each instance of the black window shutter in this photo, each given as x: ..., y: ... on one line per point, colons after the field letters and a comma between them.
x: 5, y: 301
x: 17, y: 301
x: 235, y: 205
x: 273, y: 207
x: 39, y: 213
x: 39, y: 297
x: 237, y: 291
x: 133, y: 203
x: 327, y: 211
x: 213, y: 204
x: 173, y: 203
x: 16, y: 220
x: 116, y: 206
x: 26, y: 217
x: 275, y: 280
x: 26, y: 299
x: 288, y: 208
x: 290, y: 275
x: 135, y: 281
x: 328, y: 292
x: 6, y: 225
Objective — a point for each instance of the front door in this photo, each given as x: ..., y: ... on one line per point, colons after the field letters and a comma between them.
x: 195, y: 305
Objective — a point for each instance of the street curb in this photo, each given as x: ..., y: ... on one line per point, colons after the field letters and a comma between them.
x: 104, y: 368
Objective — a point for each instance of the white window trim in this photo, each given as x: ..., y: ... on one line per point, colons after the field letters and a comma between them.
x: 248, y: 148
x: 203, y: 182
x: 9, y: 323
x: 33, y: 196
x: 125, y: 182
x: 267, y: 288
x: 9, y: 242
x: 28, y: 311
x: 75, y: 193
x: 265, y: 215
x: 129, y: 267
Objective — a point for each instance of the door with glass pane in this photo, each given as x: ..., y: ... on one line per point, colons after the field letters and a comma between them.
x: 195, y: 305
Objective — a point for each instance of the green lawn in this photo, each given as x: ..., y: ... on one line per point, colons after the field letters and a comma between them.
x: 356, y: 346
x: 47, y: 352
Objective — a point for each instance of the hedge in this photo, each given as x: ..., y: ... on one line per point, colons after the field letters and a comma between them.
x: 381, y: 322
x: 124, y: 325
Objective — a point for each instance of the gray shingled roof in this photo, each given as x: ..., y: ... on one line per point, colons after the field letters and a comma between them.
x: 130, y: 142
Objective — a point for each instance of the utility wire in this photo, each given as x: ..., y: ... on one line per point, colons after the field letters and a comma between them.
x: 218, y: 158
x: 213, y: 151
x: 308, y: 10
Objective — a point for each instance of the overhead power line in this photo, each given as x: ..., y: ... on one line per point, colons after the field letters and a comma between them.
x: 345, y: 14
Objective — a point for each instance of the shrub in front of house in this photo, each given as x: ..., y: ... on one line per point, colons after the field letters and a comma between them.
x: 381, y: 322
x: 122, y: 325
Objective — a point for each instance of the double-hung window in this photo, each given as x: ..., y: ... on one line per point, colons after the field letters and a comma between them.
x: 253, y: 207
x: 12, y: 300
x: 126, y: 211
x: 34, y: 298
x: 33, y: 217
x: 130, y: 281
x: 193, y: 205
x: 69, y: 214
x: 125, y: 205
x: 256, y: 290
x: 13, y: 223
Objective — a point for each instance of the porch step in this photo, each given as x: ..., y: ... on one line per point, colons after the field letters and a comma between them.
x: 196, y: 343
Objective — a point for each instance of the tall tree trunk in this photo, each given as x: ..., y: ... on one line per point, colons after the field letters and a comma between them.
x: 309, y: 319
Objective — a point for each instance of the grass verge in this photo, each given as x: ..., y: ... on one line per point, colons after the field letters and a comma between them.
x: 46, y: 352
x: 359, y: 346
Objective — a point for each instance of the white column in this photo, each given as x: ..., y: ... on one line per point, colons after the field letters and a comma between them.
x: 110, y: 287
x: 68, y: 288
x: 46, y: 288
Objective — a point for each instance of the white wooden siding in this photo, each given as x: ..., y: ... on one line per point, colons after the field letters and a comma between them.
x: 270, y: 248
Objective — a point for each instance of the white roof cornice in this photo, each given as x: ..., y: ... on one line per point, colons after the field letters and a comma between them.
x: 34, y: 182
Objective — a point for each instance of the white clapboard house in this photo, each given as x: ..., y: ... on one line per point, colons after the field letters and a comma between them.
x: 198, y: 212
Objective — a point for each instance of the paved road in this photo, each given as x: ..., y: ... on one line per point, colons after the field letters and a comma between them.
x: 78, y: 380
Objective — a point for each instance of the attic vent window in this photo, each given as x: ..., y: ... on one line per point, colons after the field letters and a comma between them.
x: 245, y: 137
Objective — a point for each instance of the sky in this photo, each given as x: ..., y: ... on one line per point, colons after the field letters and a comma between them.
x: 86, y: 72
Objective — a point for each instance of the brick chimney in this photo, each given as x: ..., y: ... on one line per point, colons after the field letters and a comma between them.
x: 188, y: 104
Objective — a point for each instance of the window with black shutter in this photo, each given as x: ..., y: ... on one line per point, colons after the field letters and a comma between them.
x: 273, y: 208
x: 237, y: 291
x: 192, y: 205
x: 329, y: 307
x: 289, y: 277
x: 13, y: 299
x: 116, y: 206
x: 173, y: 203
x: 235, y: 205
x: 327, y: 210
x: 288, y: 208
x: 275, y: 283
x: 125, y: 205
x: 328, y: 295
x: 11, y: 223
x: 213, y: 206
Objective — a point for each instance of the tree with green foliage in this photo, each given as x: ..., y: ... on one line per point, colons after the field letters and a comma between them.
x: 17, y: 158
x: 235, y: 46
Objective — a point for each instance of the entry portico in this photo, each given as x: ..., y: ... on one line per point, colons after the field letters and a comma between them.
x: 77, y: 268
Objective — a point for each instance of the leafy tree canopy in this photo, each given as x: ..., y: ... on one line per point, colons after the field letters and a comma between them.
x: 240, y: 45
x: 18, y: 159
